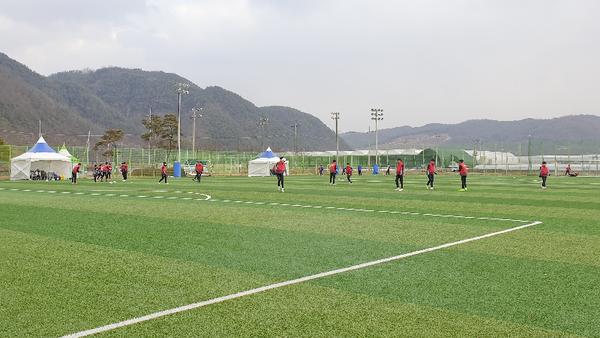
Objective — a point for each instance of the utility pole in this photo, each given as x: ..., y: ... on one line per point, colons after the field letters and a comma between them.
x: 336, y: 116
x: 194, y: 116
x: 263, y: 123
x: 151, y: 128
x: 369, y: 164
x: 529, y: 156
x: 295, y: 126
x: 376, y: 114
x: 152, y: 144
x: 436, y: 137
x: 180, y: 89
x: 87, y: 153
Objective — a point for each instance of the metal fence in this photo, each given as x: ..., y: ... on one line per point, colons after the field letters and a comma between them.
x: 516, y: 158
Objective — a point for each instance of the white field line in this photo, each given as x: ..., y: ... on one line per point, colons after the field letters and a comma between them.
x: 299, y: 280
x: 278, y: 285
x: 210, y: 199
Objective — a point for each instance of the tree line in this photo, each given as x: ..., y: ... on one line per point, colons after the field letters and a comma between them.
x: 162, y: 132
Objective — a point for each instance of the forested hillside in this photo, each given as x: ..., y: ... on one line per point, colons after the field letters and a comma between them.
x: 25, y: 99
x: 580, y: 127
x: 228, y: 120
x: 71, y: 103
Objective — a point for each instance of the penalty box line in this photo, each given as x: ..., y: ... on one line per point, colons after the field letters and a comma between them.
x: 282, y: 284
x: 368, y: 210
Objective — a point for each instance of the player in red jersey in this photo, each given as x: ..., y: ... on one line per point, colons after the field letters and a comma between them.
x: 400, y: 175
x: 124, y: 171
x: 74, y: 173
x: 163, y: 173
x: 430, y: 173
x: 462, y: 171
x: 332, y: 172
x: 544, y: 174
x: 349, y: 172
x: 104, y: 172
x: 279, y: 171
x: 199, y: 168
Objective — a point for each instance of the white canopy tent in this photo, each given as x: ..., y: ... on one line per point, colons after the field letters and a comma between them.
x: 41, y: 157
x: 262, y: 165
x: 74, y: 160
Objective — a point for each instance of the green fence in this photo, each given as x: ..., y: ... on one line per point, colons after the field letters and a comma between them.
x: 516, y: 158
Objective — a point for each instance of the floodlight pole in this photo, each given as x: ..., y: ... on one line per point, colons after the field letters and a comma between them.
x: 529, y: 156
x: 336, y: 116
x: 376, y: 114
x: 194, y: 117
x: 436, y: 148
x: 369, y: 161
x: 180, y: 89
x: 152, y: 144
x: 295, y: 126
x: 263, y: 123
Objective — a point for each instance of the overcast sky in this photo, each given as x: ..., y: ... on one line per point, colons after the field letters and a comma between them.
x: 420, y: 61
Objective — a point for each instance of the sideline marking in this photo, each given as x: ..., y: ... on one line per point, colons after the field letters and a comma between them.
x: 208, y: 197
x: 278, y: 285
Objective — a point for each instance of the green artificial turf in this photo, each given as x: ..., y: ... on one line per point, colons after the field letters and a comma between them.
x: 76, y: 257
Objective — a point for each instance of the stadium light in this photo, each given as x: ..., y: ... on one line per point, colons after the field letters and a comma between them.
x: 194, y: 117
x: 295, y: 126
x: 376, y: 114
x: 336, y: 116
x: 436, y: 137
x: 529, y: 156
x: 180, y: 88
x: 263, y: 123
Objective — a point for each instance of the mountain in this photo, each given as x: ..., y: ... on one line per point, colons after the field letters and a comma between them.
x: 228, y: 121
x: 71, y: 103
x: 574, y: 127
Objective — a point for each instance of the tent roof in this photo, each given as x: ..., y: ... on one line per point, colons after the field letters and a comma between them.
x: 268, y: 154
x: 41, y: 147
x: 63, y: 151
x: 41, y: 151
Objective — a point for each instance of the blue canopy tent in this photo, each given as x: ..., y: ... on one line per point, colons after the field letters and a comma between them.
x: 262, y: 165
x: 41, y: 157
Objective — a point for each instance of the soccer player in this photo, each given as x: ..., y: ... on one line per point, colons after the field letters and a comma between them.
x: 75, y: 172
x: 359, y: 170
x: 568, y: 172
x: 462, y: 171
x: 96, y: 172
x: 544, y: 174
x: 400, y: 175
x: 124, y: 171
x: 279, y: 171
x: 349, y: 172
x: 199, y: 169
x: 105, y: 172
x: 163, y: 173
x: 321, y: 170
x: 430, y: 173
x: 109, y: 172
x: 332, y: 172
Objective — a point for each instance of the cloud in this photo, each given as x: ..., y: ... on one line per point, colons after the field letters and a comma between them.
x: 421, y: 61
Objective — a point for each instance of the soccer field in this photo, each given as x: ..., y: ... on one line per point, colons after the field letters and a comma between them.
x: 232, y: 256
